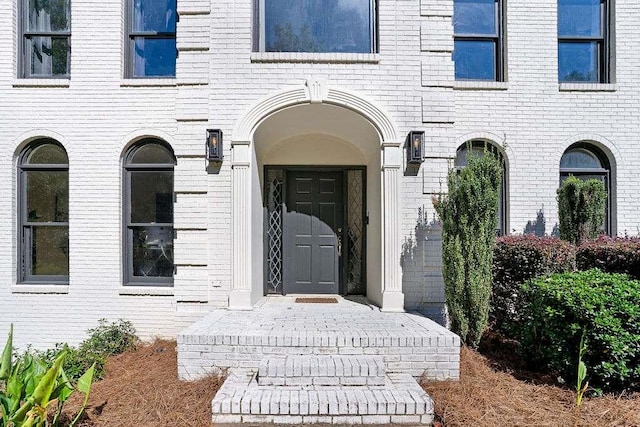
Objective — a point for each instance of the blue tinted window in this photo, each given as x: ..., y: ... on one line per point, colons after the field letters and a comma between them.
x: 580, y: 18
x: 477, y: 39
x: 152, y: 38
x: 578, y: 62
x: 582, y: 43
x: 475, y: 60
x: 475, y: 17
x: 154, y: 57
x: 317, y: 26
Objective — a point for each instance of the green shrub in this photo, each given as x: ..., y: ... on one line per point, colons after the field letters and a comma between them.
x: 469, y: 214
x: 560, y: 307
x: 107, y: 339
x: 517, y: 259
x: 613, y: 255
x: 581, y: 209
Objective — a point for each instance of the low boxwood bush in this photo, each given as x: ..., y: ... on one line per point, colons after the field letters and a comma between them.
x: 613, y: 255
x: 517, y: 259
x: 558, y: 308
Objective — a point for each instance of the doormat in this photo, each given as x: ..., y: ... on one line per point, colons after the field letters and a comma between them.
x: 316, y: 300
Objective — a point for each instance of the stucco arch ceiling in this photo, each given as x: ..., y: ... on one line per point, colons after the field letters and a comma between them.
x: 304, y: 127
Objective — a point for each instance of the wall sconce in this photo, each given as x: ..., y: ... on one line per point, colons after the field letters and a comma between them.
x: 214, y: 145
x: 415, y: 147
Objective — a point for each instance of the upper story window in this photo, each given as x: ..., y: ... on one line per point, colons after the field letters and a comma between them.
x: 583, y: 48
x: 45, y: 38
x: 43, y: 213
x: 478, y: 148
x: 478, y: 35
x: 315, y: 26
x: 148, y: 203
x: 151, y: 38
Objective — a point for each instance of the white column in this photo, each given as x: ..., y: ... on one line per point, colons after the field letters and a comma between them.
x: 240, y: 295
x: 392, y: 296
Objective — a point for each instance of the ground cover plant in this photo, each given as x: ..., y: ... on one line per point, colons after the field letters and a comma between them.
x: 469, y: 214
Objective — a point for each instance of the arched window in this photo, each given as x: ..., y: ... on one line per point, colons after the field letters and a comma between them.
x: 43, y: 195
x: 479, y: 148
x: 586, y: 161
x: 148, y: 214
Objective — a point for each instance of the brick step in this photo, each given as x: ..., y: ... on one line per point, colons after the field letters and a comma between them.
x: 400, y: 400
x: 328, y: 370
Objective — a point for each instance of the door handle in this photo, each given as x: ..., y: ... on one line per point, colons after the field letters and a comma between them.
x: 339, y: 242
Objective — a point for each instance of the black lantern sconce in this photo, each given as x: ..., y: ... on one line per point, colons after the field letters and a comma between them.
x: 214, y: 145
x: 415, y: 147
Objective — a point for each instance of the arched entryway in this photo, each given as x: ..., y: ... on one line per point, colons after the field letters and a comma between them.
x: 316, y: 140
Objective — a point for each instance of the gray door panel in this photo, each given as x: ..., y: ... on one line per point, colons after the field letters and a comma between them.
x: 313, y: 217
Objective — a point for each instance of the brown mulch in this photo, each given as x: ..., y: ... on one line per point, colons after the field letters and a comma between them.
x: 141, y: 388
x: 485, y: 396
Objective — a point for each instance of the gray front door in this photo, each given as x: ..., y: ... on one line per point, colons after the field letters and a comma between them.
x: 313, y: 222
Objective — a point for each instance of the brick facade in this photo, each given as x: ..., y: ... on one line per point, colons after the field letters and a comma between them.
x: 97, y: 113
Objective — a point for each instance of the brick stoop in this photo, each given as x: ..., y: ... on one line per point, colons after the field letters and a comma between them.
x: 321, y: 389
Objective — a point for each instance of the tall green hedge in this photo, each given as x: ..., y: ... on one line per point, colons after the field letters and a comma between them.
x: 581, y: 209
x: 469, y: 214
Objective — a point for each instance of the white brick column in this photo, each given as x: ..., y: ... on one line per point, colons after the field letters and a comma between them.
x: 392, y: 296
x: 240, y: 295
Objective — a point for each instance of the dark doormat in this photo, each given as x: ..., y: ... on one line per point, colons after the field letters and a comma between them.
x: 316, y: 300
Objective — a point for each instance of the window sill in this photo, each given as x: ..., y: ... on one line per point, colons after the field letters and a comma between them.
x: 26, y: 288
x: 41, y: 82
x: 147, y: 290
x: 588, y: 87
x: 328, y: 58
x: 148, y: 82
x: 480, y: 85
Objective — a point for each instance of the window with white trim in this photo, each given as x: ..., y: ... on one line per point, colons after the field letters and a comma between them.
x: 151, y: 38
x: 148, y: 212
x: 583, y: 41
x: 478, y: 40
x: 43, y: 213
x: 45, y: 38
x: 344, y: 26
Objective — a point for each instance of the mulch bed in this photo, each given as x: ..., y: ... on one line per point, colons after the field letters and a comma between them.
x: 141, y: 389
x: 485, y: 396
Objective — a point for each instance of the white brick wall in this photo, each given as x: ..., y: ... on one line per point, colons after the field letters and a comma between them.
x: 99, y: 112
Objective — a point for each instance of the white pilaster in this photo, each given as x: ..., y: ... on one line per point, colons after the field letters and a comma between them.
x: 392, y: 296
x: 240, y: 295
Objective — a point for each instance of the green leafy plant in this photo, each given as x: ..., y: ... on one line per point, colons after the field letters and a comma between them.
x: 106, y: 339
x: 558, y: 308
x: 517, y: 259
x: 469, y: 214
x: 581, y: 209
x: 32, y: 389
x: 581, y: 384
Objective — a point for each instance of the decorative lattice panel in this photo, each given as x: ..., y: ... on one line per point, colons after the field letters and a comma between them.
x: 274, y: 230
x: 355, y: 232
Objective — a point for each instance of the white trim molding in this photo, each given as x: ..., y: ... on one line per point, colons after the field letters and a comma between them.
x: 242, y: 147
